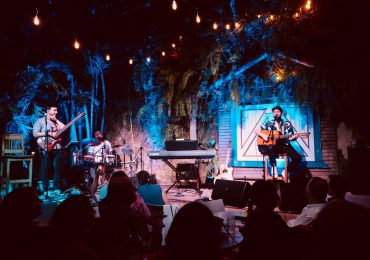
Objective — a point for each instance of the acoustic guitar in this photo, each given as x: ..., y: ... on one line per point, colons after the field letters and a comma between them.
x: 276, y: 135
x: 226, y: 172
x: 51, y: 142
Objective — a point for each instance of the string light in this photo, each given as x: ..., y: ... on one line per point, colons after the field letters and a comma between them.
x: 163, y: 53
x: 76, y: 44
x: 227, y: 26
x: 36, y: 20
x: 215, y: 26
x: 197, y: 19
x: 308, y: 5
x: 173, y: 45
x: 148, y: 59
x: 130, y: 61
x: 174, y: 5
x: 107, y: 57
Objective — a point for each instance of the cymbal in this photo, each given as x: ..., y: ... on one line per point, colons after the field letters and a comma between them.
x: 88, y: 141
x: 127, y: 150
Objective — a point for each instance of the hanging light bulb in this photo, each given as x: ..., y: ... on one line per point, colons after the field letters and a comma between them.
x: 36, y: 20
x: 173, y: 45
x: 259, y: 16
x: 130, y: 61
x: 271, y: 17
x: 296, y: 15
x: 174, y: 5
x: 237, y: 25
x: 76, y: 44
x: 308, y: 5
x: 197, y: 19
x: 148, y: 59
x: 227, y: 26
x: 215, y: 26
x: 107, y: 57
x: 163, y: 53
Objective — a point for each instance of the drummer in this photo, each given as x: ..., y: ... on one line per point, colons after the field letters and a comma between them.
x: 101, y: 150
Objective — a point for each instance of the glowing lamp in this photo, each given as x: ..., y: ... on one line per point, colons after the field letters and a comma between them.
x: 107, y: 57
x: 308, y: 5
x: 36, y: 20
x: 174, y: 5
x: 148, y: 59
x: 173, y: 45
x: 76, y: 45
x: 215, y: 26
x: 130, y: 61
x: 163, y: 53
x: 227, y: 26
x: 197, y: 18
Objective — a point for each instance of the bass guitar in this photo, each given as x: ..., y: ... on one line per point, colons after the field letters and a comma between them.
x: 276, y: 135
x: 51, y: 142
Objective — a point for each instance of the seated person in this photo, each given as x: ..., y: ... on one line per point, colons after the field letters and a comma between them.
x: 316, y: 192
x: 151, y: 193
x: 337, y: 187
x: 264, y: 228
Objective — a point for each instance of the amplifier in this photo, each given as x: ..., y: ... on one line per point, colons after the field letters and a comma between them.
x: 181, y: 145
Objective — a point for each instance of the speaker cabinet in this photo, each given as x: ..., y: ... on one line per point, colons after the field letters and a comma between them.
x: 233, y: 193
x: 358, y: 170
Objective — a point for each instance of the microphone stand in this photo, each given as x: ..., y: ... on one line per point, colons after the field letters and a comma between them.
x: 46, y: 138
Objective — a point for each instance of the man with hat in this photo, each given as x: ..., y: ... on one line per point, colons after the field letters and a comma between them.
x: 282, y: 145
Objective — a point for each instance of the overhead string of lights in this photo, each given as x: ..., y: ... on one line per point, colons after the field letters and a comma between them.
x: 216, y: 23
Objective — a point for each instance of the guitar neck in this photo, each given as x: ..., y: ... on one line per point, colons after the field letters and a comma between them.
x: 281, y: 137
x: 68, y: 125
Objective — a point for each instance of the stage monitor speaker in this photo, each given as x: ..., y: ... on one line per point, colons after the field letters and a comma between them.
x: 233, y: 193
x: 358, y: 170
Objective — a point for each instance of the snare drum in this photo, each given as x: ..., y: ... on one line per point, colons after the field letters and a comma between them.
x: 89, y: 158
x: 110, y: 159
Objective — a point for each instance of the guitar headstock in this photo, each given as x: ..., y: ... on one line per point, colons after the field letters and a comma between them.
x: 82, y: 114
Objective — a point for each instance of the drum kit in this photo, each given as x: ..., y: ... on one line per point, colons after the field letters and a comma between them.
x: 85, y: 159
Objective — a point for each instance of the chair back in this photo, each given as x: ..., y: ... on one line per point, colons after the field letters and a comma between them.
x: 215, y: 206
x: 12, y: 144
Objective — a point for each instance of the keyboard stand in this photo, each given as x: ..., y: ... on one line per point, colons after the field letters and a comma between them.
x: 190, y: 185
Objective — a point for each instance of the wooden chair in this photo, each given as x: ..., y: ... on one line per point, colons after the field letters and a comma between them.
x: 284, y: 177
x: 13, y: 151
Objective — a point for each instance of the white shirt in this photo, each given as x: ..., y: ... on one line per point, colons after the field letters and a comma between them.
x: 101, y: 150
x: 308, y: 214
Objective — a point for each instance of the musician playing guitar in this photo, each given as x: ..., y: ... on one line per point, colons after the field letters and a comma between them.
x: 48, y: 126
x: 274, y: 139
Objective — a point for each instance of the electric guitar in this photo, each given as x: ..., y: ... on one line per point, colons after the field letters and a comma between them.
x: 276, y: 135
x: 51, y: 142
x: 226, y: 172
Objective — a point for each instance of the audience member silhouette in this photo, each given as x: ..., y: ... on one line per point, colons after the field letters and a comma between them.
x: 341, y: 231
x: 266, y: 234
x: 194, y: 234
x: 21, y: 238
x: 151, y: 193
x: 73, y: 219
x: 316, y: 192
x: 338, y: 186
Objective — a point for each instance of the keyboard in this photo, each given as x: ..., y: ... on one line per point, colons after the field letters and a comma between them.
x: 185, y: 154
